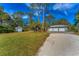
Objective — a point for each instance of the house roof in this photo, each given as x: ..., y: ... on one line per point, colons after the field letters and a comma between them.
x: 59, y: 26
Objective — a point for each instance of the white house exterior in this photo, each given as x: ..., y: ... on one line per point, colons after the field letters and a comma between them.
x: 58, y: 28
x: 18, y: 29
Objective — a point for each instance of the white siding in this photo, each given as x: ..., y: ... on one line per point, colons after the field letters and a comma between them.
x: 18, y: 29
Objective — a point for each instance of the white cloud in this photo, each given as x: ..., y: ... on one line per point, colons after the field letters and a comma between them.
x: 63, y: 6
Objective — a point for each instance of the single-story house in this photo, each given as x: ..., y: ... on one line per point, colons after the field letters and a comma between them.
x: 58, y: 28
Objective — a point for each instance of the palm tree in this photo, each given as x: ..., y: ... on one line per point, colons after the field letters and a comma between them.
x: 50, y: 19
x: 30, y: 14
x: 40, y: 9
x: 35, y: 11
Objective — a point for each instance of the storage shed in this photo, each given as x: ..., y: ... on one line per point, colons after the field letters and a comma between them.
x: 18, y: 29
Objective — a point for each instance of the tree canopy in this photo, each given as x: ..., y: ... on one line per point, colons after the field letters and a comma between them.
x: 62, y: 22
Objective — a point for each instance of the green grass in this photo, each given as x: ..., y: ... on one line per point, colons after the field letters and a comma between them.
x: 21, y: 44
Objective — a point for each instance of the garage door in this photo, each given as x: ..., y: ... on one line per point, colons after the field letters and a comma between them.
x: 55, y: 29
x: 62, y: 29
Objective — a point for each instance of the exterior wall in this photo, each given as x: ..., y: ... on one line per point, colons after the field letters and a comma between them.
x: 18, y: 29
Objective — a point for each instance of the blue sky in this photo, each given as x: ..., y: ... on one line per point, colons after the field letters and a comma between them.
x: 59, y: 10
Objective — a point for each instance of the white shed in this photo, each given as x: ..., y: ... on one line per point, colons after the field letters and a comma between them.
x: 18, y: 29
x: 58, y: 28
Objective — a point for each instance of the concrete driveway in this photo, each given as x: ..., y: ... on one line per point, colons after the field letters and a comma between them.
x: 60, y: 44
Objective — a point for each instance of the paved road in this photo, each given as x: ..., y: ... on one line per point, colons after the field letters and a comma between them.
x: 60, y: 44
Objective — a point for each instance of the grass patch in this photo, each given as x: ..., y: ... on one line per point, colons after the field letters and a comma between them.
x: 21, y: 44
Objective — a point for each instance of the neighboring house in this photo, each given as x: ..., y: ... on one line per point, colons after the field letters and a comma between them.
x: 18, y: 29
x: 58, y: 28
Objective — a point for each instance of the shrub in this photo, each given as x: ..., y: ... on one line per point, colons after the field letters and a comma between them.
x: 4, y: 29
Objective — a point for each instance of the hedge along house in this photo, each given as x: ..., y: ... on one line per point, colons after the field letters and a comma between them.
x: 58, y: 28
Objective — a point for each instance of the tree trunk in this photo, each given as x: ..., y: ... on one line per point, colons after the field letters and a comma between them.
x: 43, y: 26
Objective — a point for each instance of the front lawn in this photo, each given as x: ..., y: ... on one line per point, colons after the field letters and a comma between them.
x: 21, y: 44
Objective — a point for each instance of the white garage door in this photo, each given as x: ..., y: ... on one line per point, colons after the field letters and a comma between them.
x: 55, y: 29
x: 62, y: 29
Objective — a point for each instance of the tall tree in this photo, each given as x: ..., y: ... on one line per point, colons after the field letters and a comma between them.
x: 17, y: 16
x: 77, y: 16
x: 1, y: 9
x: 40, y: 9
x: 62, y: 22
x: 3, y: 16
x: 30, y: 15
x: 77, y: 21
x: 50, y: 19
